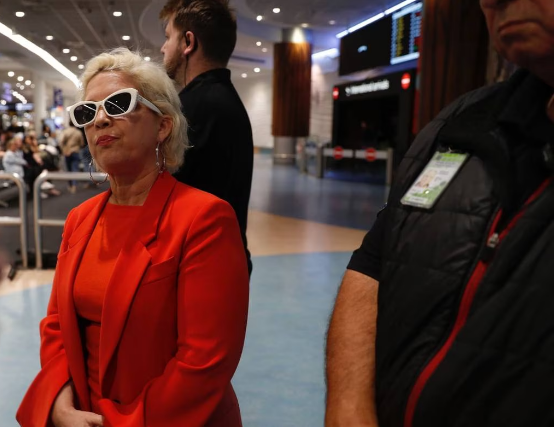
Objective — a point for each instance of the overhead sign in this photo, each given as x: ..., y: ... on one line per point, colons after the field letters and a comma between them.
x: 367, y: 87
x: 370, y: 154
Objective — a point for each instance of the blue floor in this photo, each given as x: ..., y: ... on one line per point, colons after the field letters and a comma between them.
x: 282, y: 190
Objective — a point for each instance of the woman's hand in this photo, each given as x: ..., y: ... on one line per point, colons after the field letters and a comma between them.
x: 64, y: 413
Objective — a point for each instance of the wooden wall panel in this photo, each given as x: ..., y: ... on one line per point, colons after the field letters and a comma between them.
x: 291, y: 105
x: 454, y: 53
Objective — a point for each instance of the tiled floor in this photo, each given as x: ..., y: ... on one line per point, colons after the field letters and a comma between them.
x: 301, y: 233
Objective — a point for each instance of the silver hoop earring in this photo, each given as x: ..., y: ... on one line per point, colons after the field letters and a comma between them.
x: 163, y: 168
x: 91, y: 174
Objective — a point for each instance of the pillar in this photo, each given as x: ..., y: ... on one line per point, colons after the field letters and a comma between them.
x: 454, y: 53
x: 39, y: 95
x: 291, y: 105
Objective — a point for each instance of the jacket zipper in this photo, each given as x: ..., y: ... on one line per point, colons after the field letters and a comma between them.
x: 493, y: 240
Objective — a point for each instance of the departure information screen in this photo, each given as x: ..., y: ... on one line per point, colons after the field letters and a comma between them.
x: 406, y: 34
x: 390, y: 40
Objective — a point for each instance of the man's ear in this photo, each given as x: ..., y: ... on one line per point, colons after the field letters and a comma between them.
x: 190, y: 43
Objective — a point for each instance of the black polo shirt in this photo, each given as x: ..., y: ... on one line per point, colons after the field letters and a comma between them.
x: 220, y: 160
x: 529, y: 135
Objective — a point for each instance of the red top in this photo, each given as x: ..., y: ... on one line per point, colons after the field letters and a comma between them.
x: 92, y: 279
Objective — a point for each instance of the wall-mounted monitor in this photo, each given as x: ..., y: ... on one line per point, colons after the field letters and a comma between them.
x: 391, y: 40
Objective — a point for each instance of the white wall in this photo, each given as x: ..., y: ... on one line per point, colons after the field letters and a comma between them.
x: 256, y: 94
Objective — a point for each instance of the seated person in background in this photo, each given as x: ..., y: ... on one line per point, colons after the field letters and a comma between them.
x: 33, y: 155
x: 147, y: 317
x: 13, y: 161
x: 71, y: 142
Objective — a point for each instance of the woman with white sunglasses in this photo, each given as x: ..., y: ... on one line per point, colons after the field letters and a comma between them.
x: 146, y: 321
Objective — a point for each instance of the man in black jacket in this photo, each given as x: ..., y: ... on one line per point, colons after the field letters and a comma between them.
x: 200, y: 39
x: 459, y: 332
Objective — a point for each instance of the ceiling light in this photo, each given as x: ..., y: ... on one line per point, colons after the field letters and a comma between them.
x: 80, y: 66
x: 66, y: 50
x: 117, y: 13
x: 304, y: 25
x: 257, y: 70
x: 20, y: 14
x: 147, y: 58
x: 276, y: 10
x: 126, y: 38
x: 398, y: 6
x: 20, y: 79
x: 11, y: 74
x: 3, y: 102
x: 41, y: 53
x: 28, y: 82
x: 260, y: 18
x: 49, y: 38
x: 265, y: 49
x: 73, y: 58
x: 332, y: 22
x: 244, y: 75
x: 258, y: 43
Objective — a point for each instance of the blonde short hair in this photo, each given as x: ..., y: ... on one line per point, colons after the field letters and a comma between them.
x: 152, y: 83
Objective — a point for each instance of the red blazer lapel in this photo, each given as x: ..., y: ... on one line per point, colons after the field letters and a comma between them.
x: 129, y: 269
x: 66, y: 271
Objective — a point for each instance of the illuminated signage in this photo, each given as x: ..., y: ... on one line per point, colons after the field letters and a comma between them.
x: 406, y: 81
x: 362, y: 49
x: 367, y: 87
x: 335, y: 93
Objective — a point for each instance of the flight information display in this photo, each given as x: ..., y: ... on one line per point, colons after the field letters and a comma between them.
x: 390, y: 40
x: 406, y: 34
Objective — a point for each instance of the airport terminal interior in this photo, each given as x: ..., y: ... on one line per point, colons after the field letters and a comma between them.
x: 315, y: 193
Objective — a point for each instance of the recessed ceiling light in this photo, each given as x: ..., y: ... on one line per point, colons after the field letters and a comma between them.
x: 49, y: 38
x: 80, y: 66
x: 66, y: 50
x: 20, y: 79
x: 3, y: 102
x: 244, y: 75
x: 260, y: 18
x: 117, y: 13
x: 276, y: 10
x: 20, y: 14
x: 257, y: 70
x: 28, y: 82
x: 332, y: 22
x: 265, y: 49
x: 258, y: 43
x: 304, y: 25
x: 73, y: 58
x: 147, y: 58
x: 11, y: 74
x: 126, y: 38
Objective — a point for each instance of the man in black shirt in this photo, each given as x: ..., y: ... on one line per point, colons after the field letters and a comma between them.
x: 461, y: 331
x: 200, y: 38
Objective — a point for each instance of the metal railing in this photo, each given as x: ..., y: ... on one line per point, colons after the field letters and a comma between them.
x: 21, y: 221
x: 40, y: 222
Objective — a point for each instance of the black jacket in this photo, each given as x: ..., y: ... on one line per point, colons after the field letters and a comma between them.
x: 465, y: 315
x: 220, y: 160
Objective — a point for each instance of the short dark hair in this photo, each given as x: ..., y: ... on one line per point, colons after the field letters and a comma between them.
x: 212, y: 21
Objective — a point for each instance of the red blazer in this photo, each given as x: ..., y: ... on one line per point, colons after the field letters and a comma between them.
x: 173, y: 320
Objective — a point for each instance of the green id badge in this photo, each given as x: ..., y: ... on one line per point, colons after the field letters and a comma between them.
x: 434, y: 179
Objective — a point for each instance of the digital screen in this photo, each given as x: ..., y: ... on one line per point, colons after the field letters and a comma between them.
x: 390, y: 40
x: 406, y: 34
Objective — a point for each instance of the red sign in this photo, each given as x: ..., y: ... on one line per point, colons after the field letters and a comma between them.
x: 338, y: 153
x: 406, y: 81
x: 335, y: 93
x: 370, y: 154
